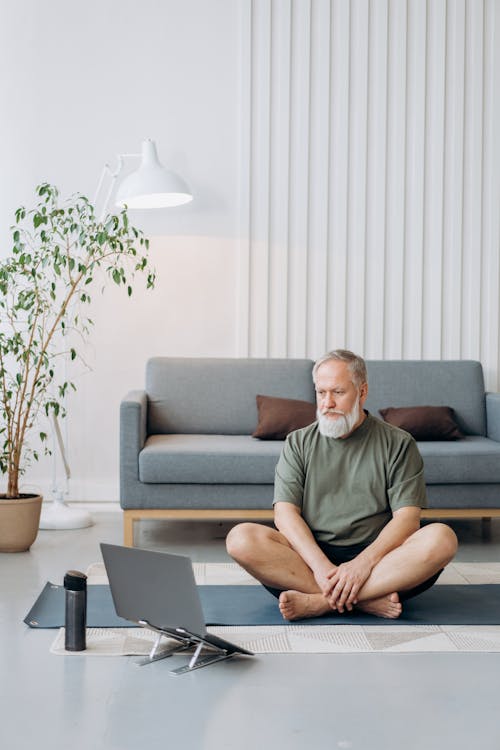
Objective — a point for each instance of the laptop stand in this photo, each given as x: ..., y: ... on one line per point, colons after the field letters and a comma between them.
x: 183, y: 644
x: 186, y: 640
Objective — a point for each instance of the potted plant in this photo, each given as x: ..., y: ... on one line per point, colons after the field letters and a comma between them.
x: 59, y: 250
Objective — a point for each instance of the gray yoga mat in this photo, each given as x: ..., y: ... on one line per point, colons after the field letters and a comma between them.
x: 445, y: 604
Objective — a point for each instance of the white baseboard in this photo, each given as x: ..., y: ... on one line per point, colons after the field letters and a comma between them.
x: 79, y: 491
x: 99, y: 507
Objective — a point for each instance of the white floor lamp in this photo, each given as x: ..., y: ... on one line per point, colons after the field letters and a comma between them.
x: 149, y: 186
x: 59, y: 515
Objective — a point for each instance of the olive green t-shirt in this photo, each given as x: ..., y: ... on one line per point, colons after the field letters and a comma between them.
x: 348, y: 488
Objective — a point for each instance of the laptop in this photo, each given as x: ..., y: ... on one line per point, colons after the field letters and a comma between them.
x: 158, y: 591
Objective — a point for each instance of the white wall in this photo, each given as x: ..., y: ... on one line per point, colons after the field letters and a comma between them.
x: 81, y: 83
x: 372, y: 174
x: 345, y: 166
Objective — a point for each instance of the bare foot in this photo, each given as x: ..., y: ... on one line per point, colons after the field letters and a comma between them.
x: 294, y: 605
x: 387, y: 606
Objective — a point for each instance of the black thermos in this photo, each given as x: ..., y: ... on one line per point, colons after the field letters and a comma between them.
x: 75, y: 584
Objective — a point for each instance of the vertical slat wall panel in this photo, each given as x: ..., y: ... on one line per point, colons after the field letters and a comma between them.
x: 415, y: 175
x: 375, y: 180
x: 356, y: 197
x: 370, y: 179
x: 244, y: 196
x: 395, y: 184
x: 339, y: 169
x: 300, y: 147
x: 260, y: 214
x: 319, y: 172
x: 433, y: 204
x: 473, y: 163
x: 279, y: 175
x: 490, y: 287
x: 453, y: 179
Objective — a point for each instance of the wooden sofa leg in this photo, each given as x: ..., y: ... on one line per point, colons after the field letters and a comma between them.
x: 486, y: 529
x: 128, y: 528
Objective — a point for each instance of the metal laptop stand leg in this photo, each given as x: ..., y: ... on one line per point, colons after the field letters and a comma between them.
x: 217, y: 654
x: 183, y: 644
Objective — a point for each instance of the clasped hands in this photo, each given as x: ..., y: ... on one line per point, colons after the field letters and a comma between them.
x: 341, y: 584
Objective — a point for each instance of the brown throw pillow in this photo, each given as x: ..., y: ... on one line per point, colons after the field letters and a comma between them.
x: 280, y: 416
x: 424, y: 422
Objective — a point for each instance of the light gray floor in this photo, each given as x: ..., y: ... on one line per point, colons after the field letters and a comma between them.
x: 359, y: 701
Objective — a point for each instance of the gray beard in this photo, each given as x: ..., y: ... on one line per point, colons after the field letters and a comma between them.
x: 343, y: 425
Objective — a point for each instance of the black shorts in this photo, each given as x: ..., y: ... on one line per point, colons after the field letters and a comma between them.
x: 338, y: 554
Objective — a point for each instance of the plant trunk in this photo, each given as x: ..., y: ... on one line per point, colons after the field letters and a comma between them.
x: 13, y: 482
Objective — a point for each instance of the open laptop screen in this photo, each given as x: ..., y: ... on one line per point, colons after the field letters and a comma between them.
x: 157, y: 587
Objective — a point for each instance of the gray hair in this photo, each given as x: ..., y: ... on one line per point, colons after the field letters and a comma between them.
x: 355, y: 364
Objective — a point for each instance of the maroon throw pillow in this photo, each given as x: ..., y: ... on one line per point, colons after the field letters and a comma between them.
x: 277, y: 417
x: 424, y: 422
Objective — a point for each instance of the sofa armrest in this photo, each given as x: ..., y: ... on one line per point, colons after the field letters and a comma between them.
x: 133, y: 426
x: 493, y: 416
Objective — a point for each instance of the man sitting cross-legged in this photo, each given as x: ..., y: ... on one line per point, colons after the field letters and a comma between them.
x: 348, y: 493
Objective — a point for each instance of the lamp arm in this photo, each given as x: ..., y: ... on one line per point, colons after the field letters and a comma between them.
x: 106, y: 171
x: 60, y: 444
x: 113, y: 176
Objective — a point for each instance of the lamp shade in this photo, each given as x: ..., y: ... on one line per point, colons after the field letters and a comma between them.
x: 151, y: 185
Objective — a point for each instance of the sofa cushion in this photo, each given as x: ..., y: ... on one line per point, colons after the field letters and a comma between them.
x: 241, y: 459
x: 217, y: 396
x: 208, y: 459
x: 471, y: 460
x: 280, y: 416
x: 424, y: 422
x: 458, y: 384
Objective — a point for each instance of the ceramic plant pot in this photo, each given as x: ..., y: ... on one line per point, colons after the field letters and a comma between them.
x: 19, y: 520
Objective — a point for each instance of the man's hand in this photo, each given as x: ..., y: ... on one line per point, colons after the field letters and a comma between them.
x: 345, y: 583
x: 323, y: 577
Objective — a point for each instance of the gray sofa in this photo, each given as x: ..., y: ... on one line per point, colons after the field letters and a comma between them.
x: 186, y: 449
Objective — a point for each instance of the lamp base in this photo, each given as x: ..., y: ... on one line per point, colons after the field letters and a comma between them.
x: 58, y: 515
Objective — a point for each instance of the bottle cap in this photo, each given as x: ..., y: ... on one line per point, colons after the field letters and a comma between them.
x: 75, y: 581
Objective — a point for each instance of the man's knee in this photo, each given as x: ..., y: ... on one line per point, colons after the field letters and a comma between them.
x: 442, y: 543
x: 241, y: 540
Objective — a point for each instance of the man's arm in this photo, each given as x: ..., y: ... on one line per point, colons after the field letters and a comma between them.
x: 288, y: 520
x: 348, y: 578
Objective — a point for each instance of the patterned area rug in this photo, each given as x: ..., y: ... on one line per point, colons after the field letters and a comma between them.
x: 303, y: 639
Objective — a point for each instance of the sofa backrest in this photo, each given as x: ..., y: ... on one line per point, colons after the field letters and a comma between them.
x: 217, y: 396
x: 458, y: 384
